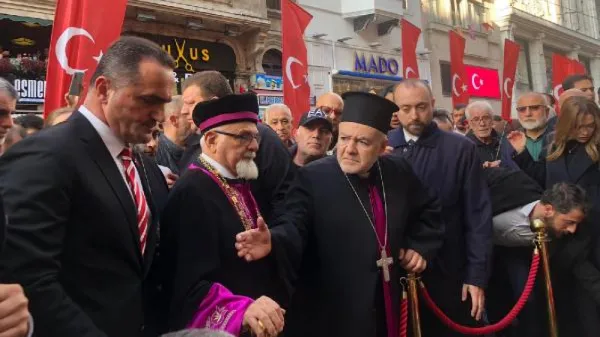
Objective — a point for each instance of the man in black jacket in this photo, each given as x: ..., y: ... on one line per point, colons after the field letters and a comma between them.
x: 83, y: 209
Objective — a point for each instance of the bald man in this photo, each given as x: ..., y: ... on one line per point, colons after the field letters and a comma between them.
x: 573, y: 92
x: 534, y: 113
x: 332, y: 104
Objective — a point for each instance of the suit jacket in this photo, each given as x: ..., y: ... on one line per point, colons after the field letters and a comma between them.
x: 72, y: 239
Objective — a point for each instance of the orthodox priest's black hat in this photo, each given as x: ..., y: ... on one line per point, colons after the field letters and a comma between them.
x: 368, y: 109
x: 226, y: 110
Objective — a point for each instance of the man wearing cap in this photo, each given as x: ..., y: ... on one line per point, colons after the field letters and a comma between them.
x: 312, y: 138
x: 207, y: 285
x: 349, y: 254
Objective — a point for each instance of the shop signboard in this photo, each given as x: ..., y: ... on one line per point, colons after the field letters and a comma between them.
x: 30, y: 91
x: 369, y: 63
x: 267, y: 82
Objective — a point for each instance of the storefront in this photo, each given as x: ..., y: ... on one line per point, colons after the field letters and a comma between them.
x: 192, y: 56
x: 24, y: 45
x: 364, y: 71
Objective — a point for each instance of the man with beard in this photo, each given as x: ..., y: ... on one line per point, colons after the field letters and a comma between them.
x: 176, y: 129
x: 493, y: 149
x: 8, y: 105
x: 273, y: 158
x: 279, y: 118
x: 534, y: 112
x: 332, y: 104
x: 350, y: 252
x: 582, y: 82
x: 458, y: 117
x: 448, y: 164
x: 312, y: 138
x: 206, y: 284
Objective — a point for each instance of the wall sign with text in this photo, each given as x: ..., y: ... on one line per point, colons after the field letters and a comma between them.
x: 376, y: 64
x: 30, y: 91
x: 194, y: 55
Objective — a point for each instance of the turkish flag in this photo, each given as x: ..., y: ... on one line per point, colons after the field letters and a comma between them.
x: 563, y: 67
x: 460, y: 92
x: 410, y: 37
x: 483, y: 82
x: 296, y: 91
x: 82, y: 31
x: 511, y: 58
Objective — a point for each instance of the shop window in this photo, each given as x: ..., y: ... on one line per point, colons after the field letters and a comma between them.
x: 445, y: 73
x: 272, y: 63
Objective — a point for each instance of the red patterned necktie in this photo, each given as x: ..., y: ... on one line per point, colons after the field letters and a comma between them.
x: 140, y: 200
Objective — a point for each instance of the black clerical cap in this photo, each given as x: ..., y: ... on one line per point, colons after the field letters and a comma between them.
x: 226, y: 110
x: 368, y: 109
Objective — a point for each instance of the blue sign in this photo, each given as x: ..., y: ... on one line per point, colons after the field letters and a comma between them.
x: 268, y: 100
x: 266, y: 82
x: 379, y: 65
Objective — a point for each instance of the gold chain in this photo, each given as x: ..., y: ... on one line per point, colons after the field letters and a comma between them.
x: 234, y: 197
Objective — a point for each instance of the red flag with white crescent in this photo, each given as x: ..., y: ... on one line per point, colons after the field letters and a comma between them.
x: 563, y: 67
x: 82, y: 31
x: 410, y: 37
x: 511, y: 58
x: 460, y: 92
x: 296, y: 90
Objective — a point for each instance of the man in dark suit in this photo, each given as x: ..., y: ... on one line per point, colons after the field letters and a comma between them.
x: 83, y: 209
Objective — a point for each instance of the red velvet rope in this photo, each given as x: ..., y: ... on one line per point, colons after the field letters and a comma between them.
x: 403, y: 315
x: 503, y: 323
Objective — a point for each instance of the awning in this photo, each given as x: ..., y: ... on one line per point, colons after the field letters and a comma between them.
x: 16, y: 18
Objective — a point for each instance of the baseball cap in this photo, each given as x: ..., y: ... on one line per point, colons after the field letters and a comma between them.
x: 316, y: 116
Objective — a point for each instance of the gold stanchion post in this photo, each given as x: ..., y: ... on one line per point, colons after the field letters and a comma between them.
x: 541, y: 240
x: 413, y: 296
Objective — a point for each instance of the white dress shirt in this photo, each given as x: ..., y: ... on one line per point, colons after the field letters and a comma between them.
x: 114, y: 146
x: 220, y: 168
x: 409, y: 136
x: 511, y: 228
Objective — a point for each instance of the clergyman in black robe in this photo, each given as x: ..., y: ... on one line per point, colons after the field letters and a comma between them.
x: 207, y: 285
x: 347, y: 219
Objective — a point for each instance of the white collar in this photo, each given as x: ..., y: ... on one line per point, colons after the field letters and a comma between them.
x: 113, y: 143
x: 220, y: 168
x: 409, y: 136
x: 527, y: 209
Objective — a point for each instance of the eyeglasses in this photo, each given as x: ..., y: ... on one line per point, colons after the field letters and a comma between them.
x: 534, y: 107
x: 486, y: 119
x: 329, y: 110
x: 245, y: 138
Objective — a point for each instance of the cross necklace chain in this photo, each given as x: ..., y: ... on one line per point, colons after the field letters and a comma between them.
x: 385, y: 261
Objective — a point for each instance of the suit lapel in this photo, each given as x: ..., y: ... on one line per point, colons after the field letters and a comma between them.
x: 101, y: 156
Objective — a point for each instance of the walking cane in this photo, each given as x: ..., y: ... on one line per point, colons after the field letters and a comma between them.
x: 541, y: 240
x: 413, y: 296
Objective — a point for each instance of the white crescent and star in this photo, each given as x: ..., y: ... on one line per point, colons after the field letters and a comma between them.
x: 408, y: 71
x: 61, y: 48
x: 556, y: 91
x: 454, y: 90
x: 288, y: 71
x: 474, y: 81
x: 505, y: 87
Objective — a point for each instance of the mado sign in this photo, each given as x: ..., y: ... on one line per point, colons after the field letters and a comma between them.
x: 30, y: 91
x: 377, y: 65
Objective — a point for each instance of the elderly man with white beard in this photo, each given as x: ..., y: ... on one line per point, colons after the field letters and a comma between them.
x: 206, y: 284
x: 534, y: 112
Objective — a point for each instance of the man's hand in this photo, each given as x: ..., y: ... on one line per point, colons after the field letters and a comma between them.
x: 388, y: 150
x: 254, y: 244
x: 71, y: 100
x: 171, y: 179
x: 489, y: 164
x: 477, y: 299
x: 264, y: 317
x: 412, y: 261
x: 518, y: 140
x: 14, y: 315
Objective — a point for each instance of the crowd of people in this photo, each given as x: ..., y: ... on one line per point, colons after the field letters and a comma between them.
x: 140, y: 213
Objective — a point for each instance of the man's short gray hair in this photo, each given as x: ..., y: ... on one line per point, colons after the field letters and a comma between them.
x: 198, y: 333
x: 279, y: 106
x: 174, y: 107
x: 7, y: 88
x: 479, y: 105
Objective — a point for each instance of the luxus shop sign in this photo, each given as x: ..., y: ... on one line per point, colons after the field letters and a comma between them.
x: 30, y: 91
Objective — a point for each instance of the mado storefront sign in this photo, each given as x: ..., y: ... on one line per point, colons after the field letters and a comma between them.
x: 373, y: 64
x: 30, y: 91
